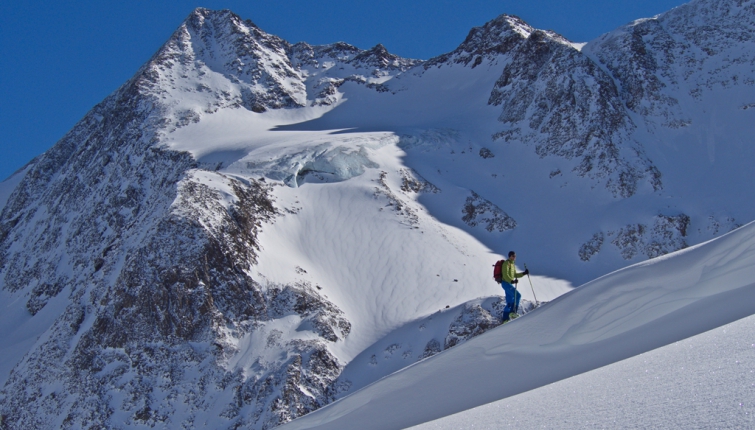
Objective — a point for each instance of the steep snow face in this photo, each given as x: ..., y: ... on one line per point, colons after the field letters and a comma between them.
x: 559, y: 101
x: 216, y: 60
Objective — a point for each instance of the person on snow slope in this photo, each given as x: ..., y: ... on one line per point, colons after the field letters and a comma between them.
x: 509, y: 277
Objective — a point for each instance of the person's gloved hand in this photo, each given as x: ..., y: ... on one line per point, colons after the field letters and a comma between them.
x: 527, y: 272
x: 515, y: 281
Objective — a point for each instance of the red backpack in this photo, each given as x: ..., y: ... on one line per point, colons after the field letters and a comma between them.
x: 498, y: 270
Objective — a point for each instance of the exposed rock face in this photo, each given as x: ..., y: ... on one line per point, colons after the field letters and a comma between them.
x: 328, y: 67
x: 556, y: 98
x: 412, y: 181
x: 687, y: 50
x: 162, y: 306
x: 643, y: 71
x: 666, y: 234
x: 579, y: 104
x: 380, y: 59
x: 497, y: 37
x: 479, y: 210
x: 473, y: 321
x: 219, y: 44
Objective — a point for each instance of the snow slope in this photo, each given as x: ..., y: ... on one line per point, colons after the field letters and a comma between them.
x: 705, y: 381
x: 628, y: 312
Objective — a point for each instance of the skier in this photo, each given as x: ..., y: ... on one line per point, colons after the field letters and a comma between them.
x: 509, y: 277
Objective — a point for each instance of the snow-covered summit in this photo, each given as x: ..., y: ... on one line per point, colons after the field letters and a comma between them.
x: 498, y: 36
x: 217, y: 60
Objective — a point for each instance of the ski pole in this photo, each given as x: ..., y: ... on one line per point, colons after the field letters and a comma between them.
x: 516, y: 305
x: 533, y: 289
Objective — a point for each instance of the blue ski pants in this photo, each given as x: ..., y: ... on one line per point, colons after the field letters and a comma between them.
x: 512, y: 298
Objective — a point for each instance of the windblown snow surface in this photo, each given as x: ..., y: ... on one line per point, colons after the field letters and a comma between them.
x: 696, y: 378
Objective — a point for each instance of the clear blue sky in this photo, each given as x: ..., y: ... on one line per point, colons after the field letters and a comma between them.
x: 60, y: 58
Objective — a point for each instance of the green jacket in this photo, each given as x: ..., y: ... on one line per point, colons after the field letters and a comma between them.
x: 508, y: 271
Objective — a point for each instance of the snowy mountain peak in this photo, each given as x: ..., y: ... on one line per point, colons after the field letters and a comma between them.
x: 217, y: 60
x: 379, y: 57
x: 496, y: 34
x: 212, y: 47
x: 497, y: 37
